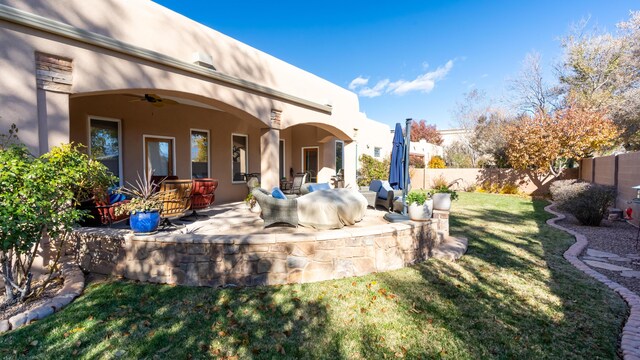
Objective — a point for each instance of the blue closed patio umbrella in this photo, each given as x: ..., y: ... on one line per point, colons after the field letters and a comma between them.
x: 397, y: 174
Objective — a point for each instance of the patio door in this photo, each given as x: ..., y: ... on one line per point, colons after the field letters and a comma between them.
x: 310, y: 162
x: 159, y: 155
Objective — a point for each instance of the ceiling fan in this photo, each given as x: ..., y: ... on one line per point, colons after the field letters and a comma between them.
x: 154, y: 100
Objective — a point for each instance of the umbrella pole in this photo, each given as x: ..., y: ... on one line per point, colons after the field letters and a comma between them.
x: 407, y: 148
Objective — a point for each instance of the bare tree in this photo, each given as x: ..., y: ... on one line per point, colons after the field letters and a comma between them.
x: 467, y: 114
x: 529, y: 92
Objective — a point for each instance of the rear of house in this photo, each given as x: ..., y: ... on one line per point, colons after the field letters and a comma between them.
x: 144, y: 87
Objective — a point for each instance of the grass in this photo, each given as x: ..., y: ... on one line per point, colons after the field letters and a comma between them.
x: 512, y: 296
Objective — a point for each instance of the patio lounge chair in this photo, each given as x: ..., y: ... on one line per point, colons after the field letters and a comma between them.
x: 202, y: 195
x: 276, y: 210
x: 298, y: 180
x: 384, y: 193
x: 176, y: 199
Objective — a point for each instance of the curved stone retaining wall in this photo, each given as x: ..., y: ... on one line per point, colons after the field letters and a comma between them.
x: 257, y: 259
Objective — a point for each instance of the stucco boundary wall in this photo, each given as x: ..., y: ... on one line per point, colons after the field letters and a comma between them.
x: 462, y: 179
x: 622, y: 171
x: 258, y: 259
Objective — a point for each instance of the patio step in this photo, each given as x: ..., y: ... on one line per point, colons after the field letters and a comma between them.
x: 450, y: 248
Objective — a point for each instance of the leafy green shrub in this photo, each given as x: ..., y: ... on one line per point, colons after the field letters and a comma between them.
x: 372, y: 169
x: 38, y: 200
x: 587, y: 202
x: 416, y: 196
x: 436, y: 162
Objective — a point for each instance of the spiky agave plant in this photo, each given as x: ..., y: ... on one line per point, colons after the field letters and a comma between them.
x: 144, y: 196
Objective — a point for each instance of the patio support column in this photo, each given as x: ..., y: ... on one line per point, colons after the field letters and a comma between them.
x: 53, y: 80
x: 269, y: 161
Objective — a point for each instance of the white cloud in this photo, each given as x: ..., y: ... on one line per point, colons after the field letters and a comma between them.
x: 376, y: 91
x: 423, y: 83
x: 359, y: 81
x: 484, y: 76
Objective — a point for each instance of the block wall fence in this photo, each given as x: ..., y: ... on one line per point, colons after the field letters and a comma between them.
x: 622, y: 171
x: 463, y: 178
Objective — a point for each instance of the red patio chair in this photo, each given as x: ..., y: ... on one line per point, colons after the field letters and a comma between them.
x: 202, y: 195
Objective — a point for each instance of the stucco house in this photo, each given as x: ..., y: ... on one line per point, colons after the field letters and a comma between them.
x: 143, y: 87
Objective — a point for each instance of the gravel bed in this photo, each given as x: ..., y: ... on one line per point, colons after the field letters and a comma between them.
x: 617, y: 237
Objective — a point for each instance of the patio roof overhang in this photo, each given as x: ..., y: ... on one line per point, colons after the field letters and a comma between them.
x: 23, y: 18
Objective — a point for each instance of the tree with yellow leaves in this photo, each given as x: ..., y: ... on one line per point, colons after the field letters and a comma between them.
x: 545, y: 142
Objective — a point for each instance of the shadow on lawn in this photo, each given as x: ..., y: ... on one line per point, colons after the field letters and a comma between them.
x: 511, y: 296
x: 489, y: 303
x: 136, y: 321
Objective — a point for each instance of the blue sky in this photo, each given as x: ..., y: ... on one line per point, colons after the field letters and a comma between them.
x: 408, y: 58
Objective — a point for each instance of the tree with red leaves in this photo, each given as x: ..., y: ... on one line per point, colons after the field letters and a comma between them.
x: 420, y: 130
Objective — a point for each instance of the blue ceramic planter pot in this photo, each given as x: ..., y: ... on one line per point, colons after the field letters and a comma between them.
x: 144, y: 222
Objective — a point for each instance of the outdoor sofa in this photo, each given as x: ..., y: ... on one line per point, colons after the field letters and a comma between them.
x: 320, y: 209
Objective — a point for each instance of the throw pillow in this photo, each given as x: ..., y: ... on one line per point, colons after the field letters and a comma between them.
x: 384, y: 189
x: 278, y: 194
x: 375, y: 185
x: 320, y: 186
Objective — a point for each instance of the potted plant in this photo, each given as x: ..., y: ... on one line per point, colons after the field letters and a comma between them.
x: 250, y: 200
x: 144, y: 207
x: 442, y: 197
x: 419, y: 205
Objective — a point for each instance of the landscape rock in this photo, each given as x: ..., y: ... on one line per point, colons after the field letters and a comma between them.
x: 4, y: 326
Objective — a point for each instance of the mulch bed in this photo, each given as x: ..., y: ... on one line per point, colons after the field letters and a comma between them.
x: 51, y: 291
x: 617, y: 237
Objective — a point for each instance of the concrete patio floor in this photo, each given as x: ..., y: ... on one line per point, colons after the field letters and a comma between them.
x: 236, y: 219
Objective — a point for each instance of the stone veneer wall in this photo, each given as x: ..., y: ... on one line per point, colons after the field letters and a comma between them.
x: 259, y: 259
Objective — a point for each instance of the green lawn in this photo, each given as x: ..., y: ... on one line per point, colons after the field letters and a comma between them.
x: 512, y: 296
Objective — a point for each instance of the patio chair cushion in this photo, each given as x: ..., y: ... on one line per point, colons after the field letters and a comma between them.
x: 277, y: 193
x: 375, y: 185
x: 203, y: 193
x: 320, y: 186
x: 385, y: 187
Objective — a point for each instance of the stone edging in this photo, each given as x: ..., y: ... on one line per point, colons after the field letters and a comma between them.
x: 630, y: 343
x: 72, y: 288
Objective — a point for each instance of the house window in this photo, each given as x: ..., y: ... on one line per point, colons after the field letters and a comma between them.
x: 199, y: 154
x: 159, y: 155
x: 104, y: 143
x: 239, y: 157
x: 339, y: 155
x: 376, y: 152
